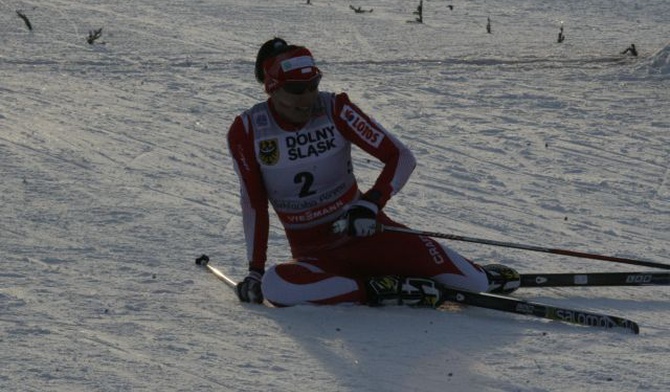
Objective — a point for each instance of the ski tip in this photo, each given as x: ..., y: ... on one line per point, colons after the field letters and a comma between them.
x: 628, y: 326
x: 202, y: 260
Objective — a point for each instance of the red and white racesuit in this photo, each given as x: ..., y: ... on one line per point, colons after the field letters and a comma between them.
x: 307, y: 175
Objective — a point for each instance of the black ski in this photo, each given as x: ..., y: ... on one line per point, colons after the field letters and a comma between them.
x: 501, y: 303
x: 596, y: 279
x: 520, y: 306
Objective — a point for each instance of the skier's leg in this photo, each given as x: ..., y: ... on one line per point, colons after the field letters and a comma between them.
x: 298, y: 282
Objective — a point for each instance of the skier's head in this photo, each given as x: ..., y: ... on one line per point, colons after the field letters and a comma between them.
x: 280, y: 65
x: 290, y: 77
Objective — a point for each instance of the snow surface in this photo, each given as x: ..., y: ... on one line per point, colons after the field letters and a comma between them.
x: 115, y: 176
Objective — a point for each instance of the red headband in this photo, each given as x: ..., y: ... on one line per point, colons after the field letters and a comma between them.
x: 296, y: 65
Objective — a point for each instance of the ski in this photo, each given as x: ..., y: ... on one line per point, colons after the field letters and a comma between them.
x: 596, y: 279
x: 500, y: 303
x: 536, y: 309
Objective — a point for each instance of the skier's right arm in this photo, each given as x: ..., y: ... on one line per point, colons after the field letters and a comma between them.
x: 254, y: 202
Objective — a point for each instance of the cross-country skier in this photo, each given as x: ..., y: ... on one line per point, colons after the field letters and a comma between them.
x: 293, y: 152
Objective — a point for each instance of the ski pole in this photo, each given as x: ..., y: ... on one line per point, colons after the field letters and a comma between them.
x: 204, y: 261
x: 563, y: 252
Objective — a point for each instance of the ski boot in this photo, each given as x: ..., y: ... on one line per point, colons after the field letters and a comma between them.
x: 395, y: 290
x: 502, y: 279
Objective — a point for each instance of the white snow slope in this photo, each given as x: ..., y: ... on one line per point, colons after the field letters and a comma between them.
x: 116, y: 175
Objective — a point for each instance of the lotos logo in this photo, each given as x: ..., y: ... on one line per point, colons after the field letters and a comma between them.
x: 359, y: 125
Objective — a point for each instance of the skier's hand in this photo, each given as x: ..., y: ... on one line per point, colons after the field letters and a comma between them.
x: 361, y: 218
x: 249, y: 290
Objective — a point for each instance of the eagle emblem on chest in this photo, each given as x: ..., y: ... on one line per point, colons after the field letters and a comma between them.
x: 268, y: 151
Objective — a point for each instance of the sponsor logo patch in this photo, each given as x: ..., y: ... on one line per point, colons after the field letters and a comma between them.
x: 433, y: 250
x: 638, y: 278
x: 361, y: 126
x: 261, y: 120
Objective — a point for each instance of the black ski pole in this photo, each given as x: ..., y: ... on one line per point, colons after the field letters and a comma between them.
x: 563, y: 252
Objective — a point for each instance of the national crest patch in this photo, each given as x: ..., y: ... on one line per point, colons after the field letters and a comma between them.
x: 268, y: 151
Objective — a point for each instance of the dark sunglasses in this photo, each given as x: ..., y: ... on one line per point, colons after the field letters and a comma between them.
x: 297, y: 88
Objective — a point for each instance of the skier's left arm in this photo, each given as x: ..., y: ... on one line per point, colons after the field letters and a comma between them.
x: 399, y: 163
x: 366, y: 133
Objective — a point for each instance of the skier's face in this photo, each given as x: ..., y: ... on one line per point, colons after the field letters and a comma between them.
x: 295, y: 100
